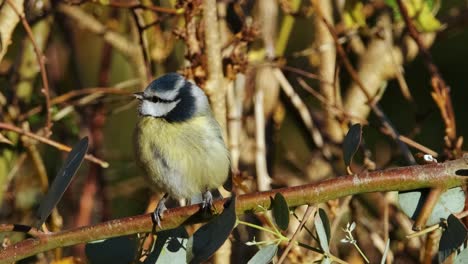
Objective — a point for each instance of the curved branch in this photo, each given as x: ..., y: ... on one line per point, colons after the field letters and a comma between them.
x: 438, y: 175
x: 40, y: 59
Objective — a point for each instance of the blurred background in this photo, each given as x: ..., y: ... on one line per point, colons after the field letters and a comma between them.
x: 277, y: 83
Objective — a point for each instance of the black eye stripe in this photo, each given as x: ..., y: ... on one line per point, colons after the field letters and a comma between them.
x: 156, y: 99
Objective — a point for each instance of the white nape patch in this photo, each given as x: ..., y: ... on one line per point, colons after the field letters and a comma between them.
x: 201, y: 101
x: 159, y: 109
x: 171, y: 94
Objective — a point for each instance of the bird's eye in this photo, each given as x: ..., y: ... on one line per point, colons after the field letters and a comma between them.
x: 155, y: 99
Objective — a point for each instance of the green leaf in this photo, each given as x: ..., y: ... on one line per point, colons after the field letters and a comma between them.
x: 452, y: 237
x: 421, y: 12
x: 264, y: 255
x: 353, y: 14
x: 211, y: 236
x: 113, y: 250
x: 451, y: 201
x: 426, y: 21
x: 322, y: 226
x: 351, y: 143
x: 61, y: 181
x: 280, y: 211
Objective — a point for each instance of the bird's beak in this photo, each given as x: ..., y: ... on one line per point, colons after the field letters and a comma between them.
x: 138, y: 95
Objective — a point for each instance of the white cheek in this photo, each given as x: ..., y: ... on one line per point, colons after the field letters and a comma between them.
x: 156, y: 109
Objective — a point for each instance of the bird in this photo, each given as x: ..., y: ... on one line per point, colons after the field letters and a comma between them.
x: 178, y: 142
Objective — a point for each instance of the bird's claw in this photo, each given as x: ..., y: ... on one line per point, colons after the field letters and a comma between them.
x: 159, y: 211
x: 207, y: 202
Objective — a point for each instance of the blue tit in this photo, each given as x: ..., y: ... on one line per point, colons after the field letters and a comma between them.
x: 178, y: 142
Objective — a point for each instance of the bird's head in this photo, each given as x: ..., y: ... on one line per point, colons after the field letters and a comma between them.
x: 173, y: 98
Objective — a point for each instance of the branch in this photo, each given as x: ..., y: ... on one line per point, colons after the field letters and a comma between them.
x: 130, y: 4
x: 436, y: 175
x: 40, y: 60
x: 50, y: 142
x: 371, y: 100
x: 326, y: 71
x: 215, y: 87
x: 441, y: 94
x: 128, y: 48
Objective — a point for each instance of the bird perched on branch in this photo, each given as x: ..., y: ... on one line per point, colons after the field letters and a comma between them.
x: 178, y: 142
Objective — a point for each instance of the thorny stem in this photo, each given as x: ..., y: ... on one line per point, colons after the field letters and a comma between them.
x: 403, y: 178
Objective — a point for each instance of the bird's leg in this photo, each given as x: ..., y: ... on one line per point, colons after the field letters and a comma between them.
x: 207, y: 200
x: 160, y: 208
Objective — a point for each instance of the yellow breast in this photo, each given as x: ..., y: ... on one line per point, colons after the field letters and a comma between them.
x: 182, y: 158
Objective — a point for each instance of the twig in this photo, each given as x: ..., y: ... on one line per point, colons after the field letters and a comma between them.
x: 50, y: 142
x: 403, y: 178
x: 327, y: 104
x: 418, y: 146
x: 40, y: 60
x: 425, y: 211
x: 143, y: 44
x: 326, y: 69
x: 38, y: 163
x: 301, y: 108
x: 235, y: 97
x: 74, y: 93
x: 263, y: 179
x: 304, y: 73
x: 441, y: 94
x: 371, y: 100
x: 310, y: 211
x: 129, y: 49
x: 32, y: 231
x: 137, y: 4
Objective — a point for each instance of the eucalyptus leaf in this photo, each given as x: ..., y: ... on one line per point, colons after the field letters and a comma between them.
x: 321, y: 226
x: 265, y: 255
x: 451, y: 201
x: 169, y: 247
x: 61, y: 181
x: 326, y: 260
x: 462, y: 257
x: 280, y: 211
x: 326, y: 222
x: 351, y: 143
x: 210, y: 237
x: 452, y: 237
